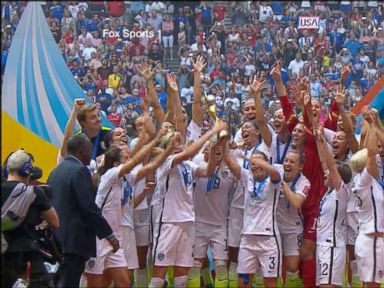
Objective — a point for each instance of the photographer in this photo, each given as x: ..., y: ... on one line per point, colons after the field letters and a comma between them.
x: 23, y: 240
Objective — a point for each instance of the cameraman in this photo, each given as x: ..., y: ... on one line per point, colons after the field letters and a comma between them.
x: 23, y: 241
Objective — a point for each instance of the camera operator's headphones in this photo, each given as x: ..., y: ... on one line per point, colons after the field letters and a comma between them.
x: 25, y: 170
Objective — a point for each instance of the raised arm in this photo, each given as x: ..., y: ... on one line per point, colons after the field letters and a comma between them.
x: 334, y: 178
x: 373, y: 148
x: 259, y: 84
x: 78, y: 102
x: 230, y: 161
x: 272, y: 172
x: 210, y: 169
x: 148, y: 75
x: 289, y: 113
x: 179, y: 122
x: 347, y: 122
x: 140, y: 155
x: 156, y: 162
x: 194, y: 148
x: 197, y: 110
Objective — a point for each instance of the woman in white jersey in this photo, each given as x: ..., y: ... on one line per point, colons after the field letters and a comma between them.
x: 174, y: 242
x: 331, y: 228
x: 369, y: 247
x: 260, y: 240
x: 212, y: 197
x: 117, y: 164
x: 293, y: 192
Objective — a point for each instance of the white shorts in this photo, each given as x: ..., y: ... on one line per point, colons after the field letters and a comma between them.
x: 105, y: 258
x: 235, y: 226
x: 260, y: 251
x: 141, y: 224
x: 174, y: 245
x: 168, y: 41
x: 128, y: 244
x: 291, y: 244
x: 369, y: 253
x: 155, y: 221
x: 330, y: 268
x: 352, y: 227
x: 214, y: 236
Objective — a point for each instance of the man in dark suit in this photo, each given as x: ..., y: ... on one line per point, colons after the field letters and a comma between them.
x: 80, y: 218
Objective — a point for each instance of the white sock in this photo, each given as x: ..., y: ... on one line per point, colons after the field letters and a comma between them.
x: 156, y: 283
x: 181, y: 281
x: 141, y: 277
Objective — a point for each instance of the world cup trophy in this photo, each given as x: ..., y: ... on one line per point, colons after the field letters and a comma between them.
x: 210, y: 101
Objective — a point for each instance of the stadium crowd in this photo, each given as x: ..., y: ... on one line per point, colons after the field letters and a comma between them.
x: 273, y: 184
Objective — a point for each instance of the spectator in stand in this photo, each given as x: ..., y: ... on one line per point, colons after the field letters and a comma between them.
x: 114, y: 116
x: 167, y: 35
x: 296, y: 65
x: 114, y: 78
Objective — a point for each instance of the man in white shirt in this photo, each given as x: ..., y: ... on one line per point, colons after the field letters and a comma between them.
x: 296, y: 65
x: 265, y: 12
x: 88, y: 50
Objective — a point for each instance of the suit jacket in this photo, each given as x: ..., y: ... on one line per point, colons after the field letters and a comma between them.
x: 80, y: 218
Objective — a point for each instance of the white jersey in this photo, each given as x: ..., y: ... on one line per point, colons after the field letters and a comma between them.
x: 138, y: 188
x: 127, y: 203
x: 194, y: 132
x: 260, y: 206
x: 243, y: 156
x: 109, y: 194
x: 380, y: 164
x: 278, y: 150
x: 240, y: 186
x: 212, y: 195
x: 289, y: 219
x: 177, y: 185
x: 370, y: 207
x: 331, y: 229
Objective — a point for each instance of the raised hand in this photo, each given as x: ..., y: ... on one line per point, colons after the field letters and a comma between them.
x: 306, y: 97
x: 146, y: 71
x: 77, y: 103
x: 340, y: 95
x: 199, y: 65
x: 219, y: 126
x: 172, y: 83
x: 276, y: 72
x: 297, y: 96
x: 258, y: 84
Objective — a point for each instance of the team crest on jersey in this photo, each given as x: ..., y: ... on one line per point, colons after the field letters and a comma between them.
x: 225, y: 173
x: 160, y: 256
x: 91, y: 263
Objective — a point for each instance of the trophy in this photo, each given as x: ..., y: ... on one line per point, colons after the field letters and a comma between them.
x: 210, y: 101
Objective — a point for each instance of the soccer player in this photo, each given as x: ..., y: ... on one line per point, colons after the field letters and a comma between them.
x: 212, y: 198
x: 116, y: 165
x: 174, y: 241
x: 293, y: 192
x: 369, y: 247
x: 260, y: 240
x: 331, y: 231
